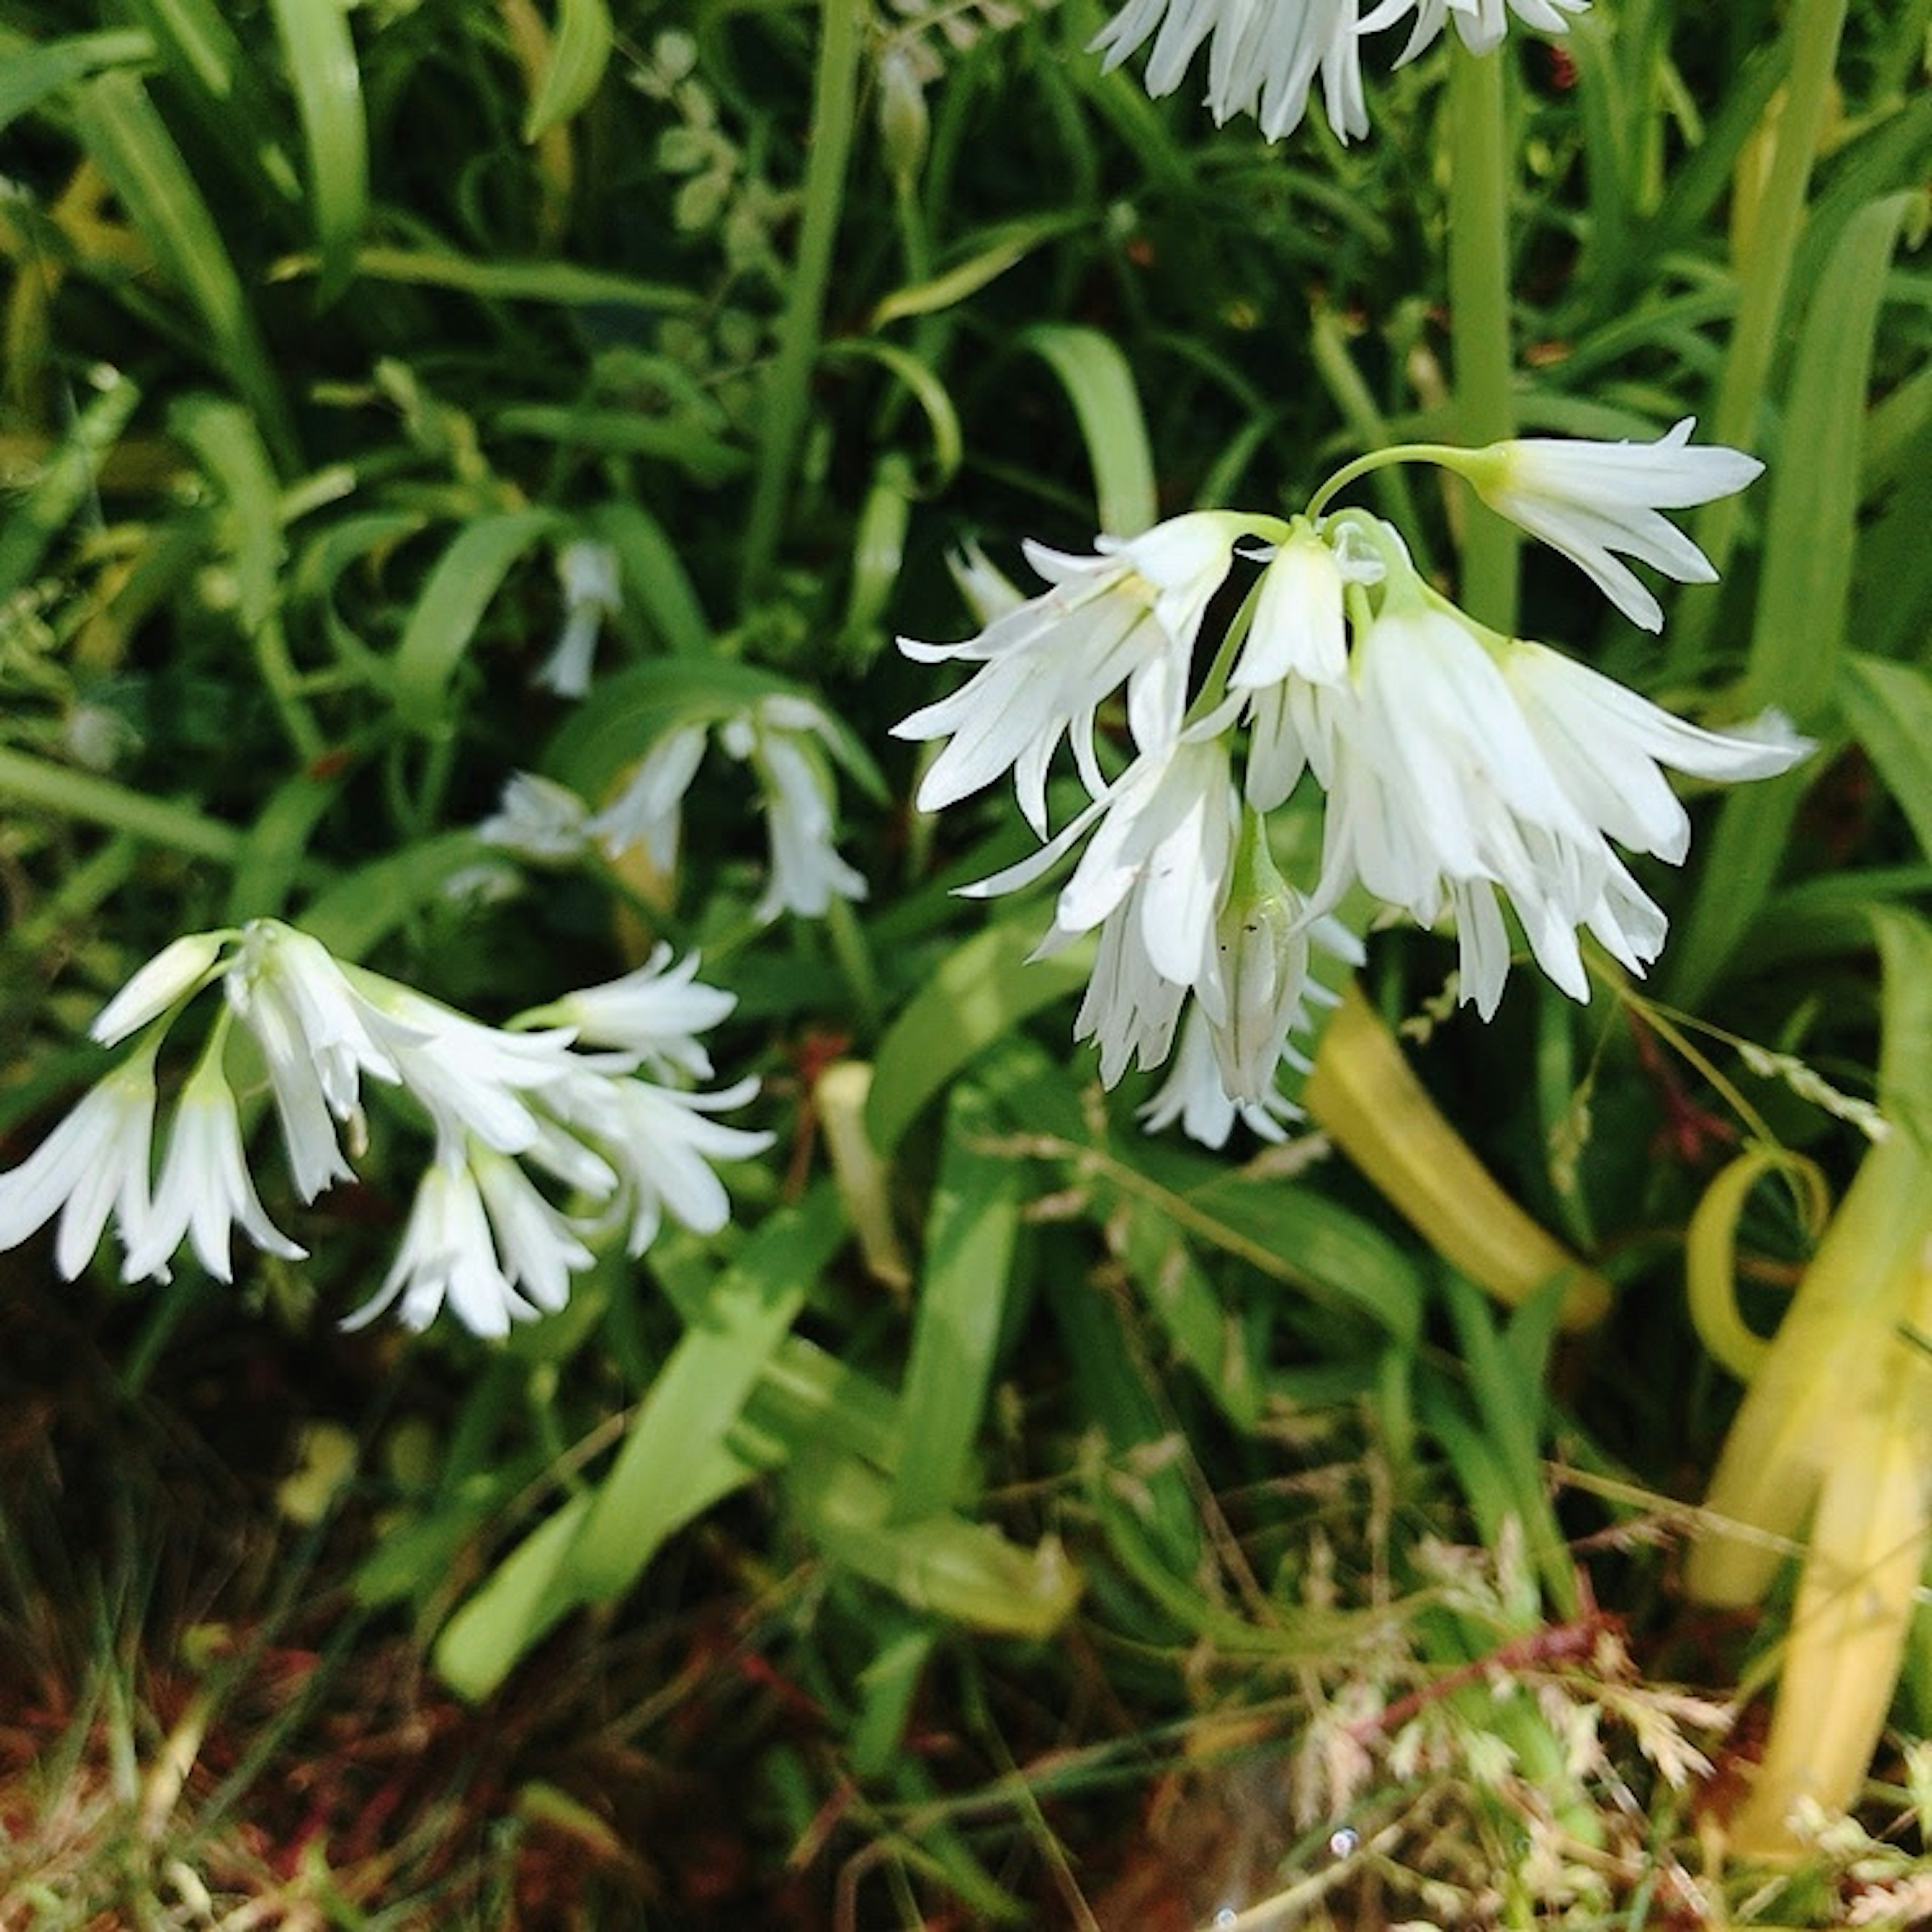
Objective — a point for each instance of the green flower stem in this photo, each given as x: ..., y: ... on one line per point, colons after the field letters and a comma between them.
x: 855, y: 962
x: 1446, y: 454
x: 1764, y: 277
x: 835, y: 93
x: 81, y: 795
x: 1479, y: 186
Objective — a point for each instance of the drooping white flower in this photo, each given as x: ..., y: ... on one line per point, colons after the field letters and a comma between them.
x: 1481, y: 23
x: 1152, y: 878
x: 651, y: 1013
x: 1193, y: 1094
x: 447, y: 1256
x: 591, y: 591
x: 781, y: 737
x: 312, y: 1028
x: 661, y: 1142
x: 538, y: 819
x: 1297, y: 644
x: 1263, y: 56
x: 648, y: 809
x: 205, y: 1189
x: 1469, y: 767
x: 1589, y: 499
x: 1129, y: 615
x: 94, y: 1164
x: 474, y: 1081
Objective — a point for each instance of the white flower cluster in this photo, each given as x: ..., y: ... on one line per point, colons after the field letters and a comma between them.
x: 1264, y: 55
x: 614, y: 1127
x: 781, y: 738
x: 1461, y: 768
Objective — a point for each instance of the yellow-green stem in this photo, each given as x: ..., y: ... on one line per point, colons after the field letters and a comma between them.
x: 1480, y: 185
x: 1764, y: 276
x: 835, y: 90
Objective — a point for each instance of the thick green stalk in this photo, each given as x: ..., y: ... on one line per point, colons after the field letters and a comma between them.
x: 81, y: 795
x: 1764, y: 276
x: 834, y: 92
x: 1480, y: 185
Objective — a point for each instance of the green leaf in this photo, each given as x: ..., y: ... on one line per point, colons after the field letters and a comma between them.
x: 467, y: 576
x: 970, y: 1236
x: 579, y: 50
x: 222, y: 434
x: 321, y: 58
x: 1889, y: 706
x: 981, y: 990
x: 987, y: 263
x: 1905, y: 1019
x: 27, y: 78
x: 1811, y: 538
x: 674, y: 1462
x: 544, y: 281
x: 654, y: 572
x: 960, y: 1570
x: 273, y: 850
x: 704, y: 457
x: 1100, y: 385
x: 65, y: 482
x: 131, y: 145
x: 527, y: 1592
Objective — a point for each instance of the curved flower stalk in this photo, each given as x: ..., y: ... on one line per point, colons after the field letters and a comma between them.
x: 790, y: 747
x: 1264, y: 56
x: 1465, y: 773
x: 613, y: 1126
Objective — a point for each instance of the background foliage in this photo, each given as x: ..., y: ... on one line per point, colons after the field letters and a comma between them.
x: 1112, y: 1532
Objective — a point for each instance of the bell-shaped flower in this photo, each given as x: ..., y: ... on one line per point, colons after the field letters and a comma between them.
x: 651, y: 1013
x: 1591, y: 499
x: 592, y: 590
x: 538, y: 819
x: 1193, y: 1094
x: 1262, y: 935
x: 94, y: 1164
x: 174, y: 975
x: 783, y: 740
x: 1296, y: 644
x: 205, y: 1190
x: 648, y: 809
x: 1129, y: 615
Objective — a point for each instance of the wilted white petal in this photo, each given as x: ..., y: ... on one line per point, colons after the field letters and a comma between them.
x: 538, y: 818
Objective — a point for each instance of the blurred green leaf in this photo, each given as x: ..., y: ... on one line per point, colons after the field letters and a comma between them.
x: 970, y: 1236
x: 28, y: 74
x: 579, y: 50
x: 65, y: 481
x: 1889, y: 706
x: 674, y: 1462
x: 322, y: 62
x: 1100, y: 383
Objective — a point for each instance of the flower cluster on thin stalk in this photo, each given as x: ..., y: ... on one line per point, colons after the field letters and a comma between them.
x: 788, y: 744
x: 590, y: 1096
x: 1265, y: 56
x: 1463, y: 772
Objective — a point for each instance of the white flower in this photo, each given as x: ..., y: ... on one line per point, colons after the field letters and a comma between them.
x: 447, y: 1255
x: 1263, y: 58
x: 592, y: 590
x: 1466, y: 767
x: 1153, y: 878
x: 1129, y: 615
x: 1481, y: 23
x: 660, y: 1143
x: 472, y: 1080
x: 177, y: 971
x: 538, y: 819
x: 313, y: 1033
x: 650, y: 1012
x: 778, y: 736
x: 1192, y: 1094
x: 1256, y: 997
x: 95, y: 1163
x: 1587, y: 500
x: 648, y: 809
x: 1297, y: 642
x: 205, y: 1188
